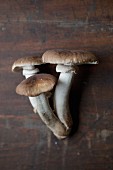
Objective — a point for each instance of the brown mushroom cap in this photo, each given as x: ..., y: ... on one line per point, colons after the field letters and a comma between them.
x: 26, y: 61
x: 69, y: 57
x: 35, y: 85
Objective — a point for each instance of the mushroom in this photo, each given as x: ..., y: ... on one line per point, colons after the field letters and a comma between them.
x: 65, y: 61
x: 72, y: 57
x: 27, y: 65
x: 35, y: 87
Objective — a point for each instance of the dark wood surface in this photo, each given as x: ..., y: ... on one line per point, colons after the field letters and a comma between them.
x: 28, y: 28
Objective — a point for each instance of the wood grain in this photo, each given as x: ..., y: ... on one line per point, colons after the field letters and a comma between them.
x: 30, y: 27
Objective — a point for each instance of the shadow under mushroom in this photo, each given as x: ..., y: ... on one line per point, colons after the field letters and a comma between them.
x: 78, y: 86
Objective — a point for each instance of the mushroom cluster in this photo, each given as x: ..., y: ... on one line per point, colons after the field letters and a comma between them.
x: 37, y: 86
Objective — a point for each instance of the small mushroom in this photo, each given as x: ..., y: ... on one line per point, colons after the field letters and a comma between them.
x: 35, y: 87
x: 27, y: 65
x: 65, y: 61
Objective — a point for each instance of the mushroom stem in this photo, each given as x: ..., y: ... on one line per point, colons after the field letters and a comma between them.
x: 61, y: 97
x: 41, y: 105
x: 28, y: 73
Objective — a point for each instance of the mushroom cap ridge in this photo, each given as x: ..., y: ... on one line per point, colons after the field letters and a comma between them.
x: 69, y: 57
x: 37, y: 84
x: 26, y: 61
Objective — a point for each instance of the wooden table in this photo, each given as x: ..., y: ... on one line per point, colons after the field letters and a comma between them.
x: 29, y: 28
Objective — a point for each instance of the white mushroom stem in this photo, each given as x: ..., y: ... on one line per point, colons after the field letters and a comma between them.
x: 41, y: 105
x: 61, y: 95
x: 28, y: 73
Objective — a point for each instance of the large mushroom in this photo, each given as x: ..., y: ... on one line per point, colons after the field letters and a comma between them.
x: 66, y: 60
x: 35, y: 87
